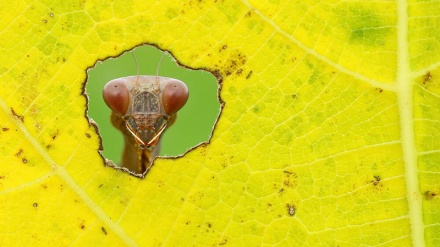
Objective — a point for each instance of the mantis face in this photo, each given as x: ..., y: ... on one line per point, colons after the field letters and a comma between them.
x: 146, y: 104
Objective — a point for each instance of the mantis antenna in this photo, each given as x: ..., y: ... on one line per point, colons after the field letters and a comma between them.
x: 158, y: 67
x: 137, y: 66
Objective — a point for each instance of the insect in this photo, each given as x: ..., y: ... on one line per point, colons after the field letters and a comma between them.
x: 143, y: 107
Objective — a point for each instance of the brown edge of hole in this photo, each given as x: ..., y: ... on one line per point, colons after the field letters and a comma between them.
x: 110, y: 163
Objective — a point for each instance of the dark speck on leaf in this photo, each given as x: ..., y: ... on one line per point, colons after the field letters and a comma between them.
x: 35, y: 205
x: 376, y: 180
x: 24, y: 160
x: 104, y: 231
x: 291, y: 209
x: 5, y: 129
x: 249, y: 75
x: 427, y: 77
x: 225, y: 241
x: 55, y: 135
x: 429, y: 195
x: 88, y: 135
x: 21, y: 118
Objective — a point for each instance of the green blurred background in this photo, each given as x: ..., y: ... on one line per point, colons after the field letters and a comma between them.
x: 195, y: 120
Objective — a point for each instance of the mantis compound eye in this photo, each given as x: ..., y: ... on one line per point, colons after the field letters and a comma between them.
x: 174, y: 96
x: 116, y: 96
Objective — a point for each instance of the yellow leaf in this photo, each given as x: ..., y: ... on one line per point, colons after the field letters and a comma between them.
x: 329, y: 133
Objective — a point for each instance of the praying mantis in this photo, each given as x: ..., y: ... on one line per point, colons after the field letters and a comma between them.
x: 143, y: 107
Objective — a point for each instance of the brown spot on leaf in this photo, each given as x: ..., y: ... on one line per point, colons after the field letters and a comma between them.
x: 5, y: 129
x: 88, y: 135
x: 19, y: 117
x: 380, y: 90
x: 35, y: 205
x: 429, y: 195
x: 427, y: 77
x: 233, y: 63
x: 223, y: 242
x: 376, y: 180
x: 249, y: 75
x: 55, y: 135
x: 290, y: 209
x: 289, y: 178
x: 24, y: 160
x: 104, y: 231
x: 19, y: 152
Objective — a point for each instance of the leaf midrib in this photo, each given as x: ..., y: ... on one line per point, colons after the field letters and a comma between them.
x: 404, y: 92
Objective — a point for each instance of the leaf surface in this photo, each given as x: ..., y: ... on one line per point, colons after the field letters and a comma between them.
x: 328, y: 136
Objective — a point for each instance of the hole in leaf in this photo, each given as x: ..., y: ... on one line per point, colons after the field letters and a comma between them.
x: 195, y: 120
